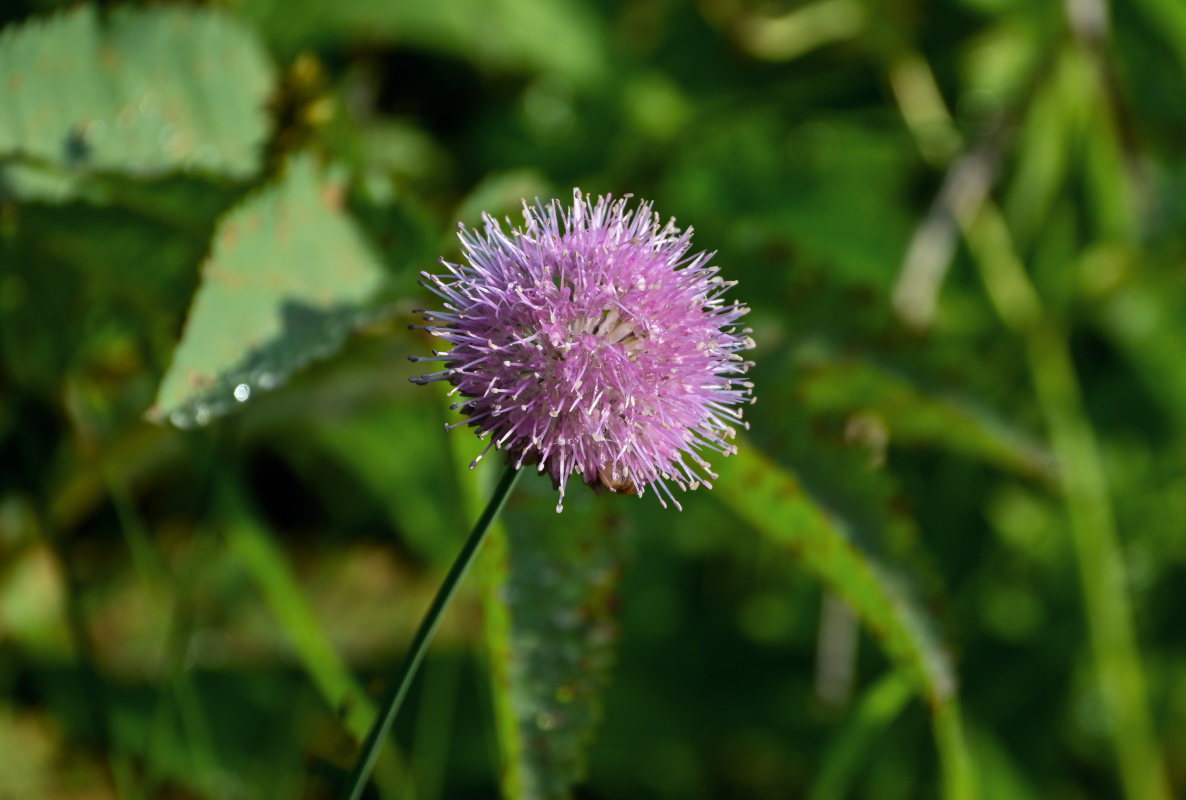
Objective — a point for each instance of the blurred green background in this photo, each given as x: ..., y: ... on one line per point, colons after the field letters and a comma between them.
x: 949, y: 561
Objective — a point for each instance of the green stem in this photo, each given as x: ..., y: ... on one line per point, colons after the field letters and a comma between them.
x: 1085, y: 488
x: 399, y: 690
x: 882, y: 703
x: 1101, y: 568
x: 959, y: 772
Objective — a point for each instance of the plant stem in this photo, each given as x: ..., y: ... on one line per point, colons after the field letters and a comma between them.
x: 1101, y: 569
x: 1118, y: 669
x: 955, y: 757
x: 399, y: 690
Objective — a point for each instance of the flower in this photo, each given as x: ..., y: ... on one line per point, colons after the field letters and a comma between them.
x: 591, y: 342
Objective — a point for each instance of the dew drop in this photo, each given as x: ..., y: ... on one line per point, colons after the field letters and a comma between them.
x: 242, y: 392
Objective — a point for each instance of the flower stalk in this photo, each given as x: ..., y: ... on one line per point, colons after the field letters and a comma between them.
x: 390, y: 706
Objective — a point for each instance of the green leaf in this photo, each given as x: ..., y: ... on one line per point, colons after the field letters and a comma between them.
x: 560, y: 36
x: 881, y: 705
x: 835, y: 220
x: 502, y: 194
x: 1144, y: 319
x: 1058, y: 111
x: 269, y: 569
x: 1168, y: 19
x: 774, y: 502
x: 152, y: 91
x: 917, y: 416
x: 410, y: 489
x: 550, y: 630
x: 288, y: 278
x: 118, y: 283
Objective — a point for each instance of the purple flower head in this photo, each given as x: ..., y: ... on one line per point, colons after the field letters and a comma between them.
x: 591, y: 342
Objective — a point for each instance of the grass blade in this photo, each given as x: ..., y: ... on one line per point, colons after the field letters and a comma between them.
x: 775, y: 503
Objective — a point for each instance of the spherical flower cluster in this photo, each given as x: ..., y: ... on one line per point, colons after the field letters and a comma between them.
x: 591, y: 342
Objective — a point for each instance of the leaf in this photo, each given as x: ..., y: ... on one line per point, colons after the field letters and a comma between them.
x: 1167, y: 18
x: 881, y: 705
x: 915, y: 415
x: 558, y: 36
x: 772, y: 500
x: 1056, y: 113
x: 1143, y: 317
x: 550, y: 630
x: 502, y: 194
x: 836, y: 219
x: 268, y: 568
x: 153, y: 91
x: 410, y: 489
x: 117, y: 284
x: 288, y: 278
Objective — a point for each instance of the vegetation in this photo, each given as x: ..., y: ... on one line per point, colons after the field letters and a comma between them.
x: 944, y: 563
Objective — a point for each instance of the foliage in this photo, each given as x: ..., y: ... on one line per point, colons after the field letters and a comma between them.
x: 944, y: 563
x: 147, y: 93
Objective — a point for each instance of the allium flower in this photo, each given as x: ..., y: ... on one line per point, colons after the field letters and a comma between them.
x: 591, y: 342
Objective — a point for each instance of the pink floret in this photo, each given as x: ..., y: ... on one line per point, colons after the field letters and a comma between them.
x: 591, y: 342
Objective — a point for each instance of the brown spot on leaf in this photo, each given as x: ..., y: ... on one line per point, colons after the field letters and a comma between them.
x: 109, y: 58
x: 331, y: 196
x: 230, y: 235
x: 196, y: 380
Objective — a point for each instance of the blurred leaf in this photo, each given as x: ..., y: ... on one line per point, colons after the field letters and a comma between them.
x: 772, y: 500
x: 153, y: 91
x: 409, y: 486
x: 546, y: 35
x: 998, y: 65
x: 1057, y: 112
x: 117, y: 284
x: 288, y: 278
x: 403, y: 150
x: 28, y: 742
x: 914, y: 415
x: 550, y: 631
x: 1003, y: 780
x: 268, y: 567
x: 32, y: 600
x: 775, y: 503
x: 1167, y: 18
x: 839, y: 215
x: 1144, y: 318
x: 881, y: 704
x: 1113, y: 196
x: 502, y: 194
